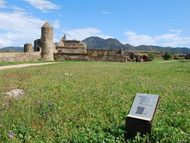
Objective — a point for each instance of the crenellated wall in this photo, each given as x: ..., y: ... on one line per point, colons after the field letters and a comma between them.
x: 19, y: 56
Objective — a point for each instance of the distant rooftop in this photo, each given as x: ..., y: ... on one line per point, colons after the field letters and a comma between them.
x: 72, y: 41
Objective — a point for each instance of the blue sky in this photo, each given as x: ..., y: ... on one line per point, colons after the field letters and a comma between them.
x: 137, y: 22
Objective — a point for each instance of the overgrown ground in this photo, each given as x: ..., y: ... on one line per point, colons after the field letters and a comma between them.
x: 88, y: 102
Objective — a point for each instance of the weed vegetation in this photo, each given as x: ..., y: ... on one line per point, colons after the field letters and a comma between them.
x: 83, y: 102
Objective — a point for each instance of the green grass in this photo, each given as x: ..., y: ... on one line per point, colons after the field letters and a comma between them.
x: 9, y: 63
x: 16, y: 63
x: 91, y: 104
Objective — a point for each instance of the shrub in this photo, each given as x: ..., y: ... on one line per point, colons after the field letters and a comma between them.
x: 151, y: 56
x: 176, y: 57
x: 187, y: 56
x: 167, y: 56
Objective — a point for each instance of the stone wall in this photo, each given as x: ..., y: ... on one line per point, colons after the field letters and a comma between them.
x: 114, y: 58
x: 71, y: 50
x: 106, y: 55
x: 93, y: 52
x: 19, y: 56
x: 92, y: 55
x: 70, y: 56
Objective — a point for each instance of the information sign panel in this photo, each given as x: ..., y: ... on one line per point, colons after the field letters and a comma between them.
x: 144, y: 106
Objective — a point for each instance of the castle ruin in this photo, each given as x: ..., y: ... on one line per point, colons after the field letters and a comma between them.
x: 64, y: 49
x: 45, y: 49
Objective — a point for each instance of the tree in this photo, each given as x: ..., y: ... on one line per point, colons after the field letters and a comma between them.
x: 167, y: 56
x: 151, y: 56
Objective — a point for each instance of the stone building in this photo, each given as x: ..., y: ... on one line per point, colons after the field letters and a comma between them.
x: 70, y: 46
x: 70, y: 50
x: 63, y: 50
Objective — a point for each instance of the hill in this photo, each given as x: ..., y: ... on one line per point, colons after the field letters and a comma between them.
x: 114, y: 44
x: 12, y: 49
x: 106, y: 44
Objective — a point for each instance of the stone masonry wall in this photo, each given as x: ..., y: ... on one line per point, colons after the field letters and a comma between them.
x: 106, y: 58
x: 19, y: 56
x: 106, y: 55
x: 72, y: 57
x: 70, y: 50
x: 92, y: 55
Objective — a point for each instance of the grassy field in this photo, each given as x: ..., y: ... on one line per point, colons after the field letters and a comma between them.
x: 10, y: 63
x: 85, y: 102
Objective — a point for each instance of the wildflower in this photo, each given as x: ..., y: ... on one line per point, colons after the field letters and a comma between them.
x: 68, y: 74
x: 11, y: 135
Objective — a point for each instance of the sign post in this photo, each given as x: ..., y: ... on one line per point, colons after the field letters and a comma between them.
x: 141, y: 115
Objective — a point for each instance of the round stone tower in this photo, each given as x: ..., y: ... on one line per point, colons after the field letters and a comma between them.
x: 28, y: 48
x: 47, y: 42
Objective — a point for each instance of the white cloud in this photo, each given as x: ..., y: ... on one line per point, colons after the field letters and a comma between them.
x: 177, y: 31
x: 136, y: 39
x: 4, y: 41
x: 2, y: 3
x: 105, y: 12
x: 16, y: 8
x: 18, y: 27
x: 172, y: 39
x: 56, y: 24
x: 43, y: 5
x: 82, y: 33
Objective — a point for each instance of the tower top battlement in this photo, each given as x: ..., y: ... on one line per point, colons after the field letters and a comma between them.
x: 47, y: 25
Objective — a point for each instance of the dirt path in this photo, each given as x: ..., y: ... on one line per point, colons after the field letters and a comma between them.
x: 24, y: 65
x: 167, y: 61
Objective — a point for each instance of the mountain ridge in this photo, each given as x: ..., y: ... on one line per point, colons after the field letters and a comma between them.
x: 12, y: 49
x: 114, y: 44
